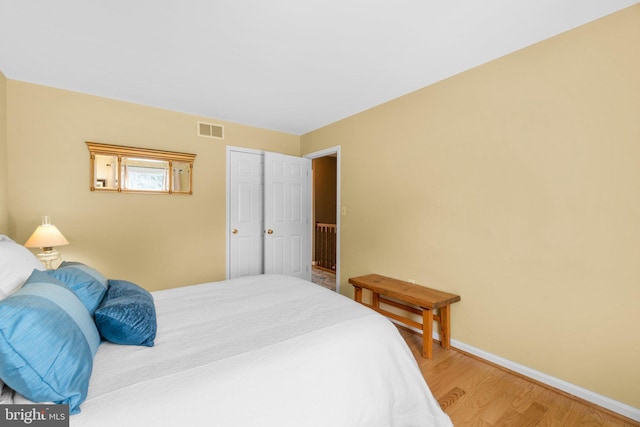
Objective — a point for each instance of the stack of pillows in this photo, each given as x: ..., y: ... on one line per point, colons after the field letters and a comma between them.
x: 52, y: 322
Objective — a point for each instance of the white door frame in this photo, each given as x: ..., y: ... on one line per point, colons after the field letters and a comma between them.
x: 323, y: 153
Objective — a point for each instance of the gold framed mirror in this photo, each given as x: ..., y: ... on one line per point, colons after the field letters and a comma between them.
x: 139, y: 170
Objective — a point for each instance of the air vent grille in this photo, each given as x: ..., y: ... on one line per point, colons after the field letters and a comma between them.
x: 210, y: 130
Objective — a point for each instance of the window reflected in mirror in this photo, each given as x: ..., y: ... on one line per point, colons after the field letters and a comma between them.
x: 130, y: 169
x: 145, y: 174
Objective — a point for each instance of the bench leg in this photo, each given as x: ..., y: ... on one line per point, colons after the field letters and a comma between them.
x: 427, y: 333
x: 358, y: 294
x: 445, y: 327
x: 375, y: 300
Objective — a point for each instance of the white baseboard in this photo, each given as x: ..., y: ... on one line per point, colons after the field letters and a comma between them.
x: 595, y: 398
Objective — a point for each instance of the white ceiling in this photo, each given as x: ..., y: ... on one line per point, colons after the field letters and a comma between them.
x: 287, y: 65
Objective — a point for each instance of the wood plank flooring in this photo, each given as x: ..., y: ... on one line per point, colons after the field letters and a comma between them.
x: 476, y: 393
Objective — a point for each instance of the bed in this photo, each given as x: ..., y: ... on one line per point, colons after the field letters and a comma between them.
x: 264, y: 350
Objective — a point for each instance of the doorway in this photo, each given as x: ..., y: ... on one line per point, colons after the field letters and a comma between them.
x: 325, y: 196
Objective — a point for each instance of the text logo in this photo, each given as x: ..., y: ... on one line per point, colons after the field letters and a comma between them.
x: 34, y: 415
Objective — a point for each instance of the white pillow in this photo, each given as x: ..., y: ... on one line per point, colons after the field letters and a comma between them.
x: 16, y: 265
x: 6, y: 395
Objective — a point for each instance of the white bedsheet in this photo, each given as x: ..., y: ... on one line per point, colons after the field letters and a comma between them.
x: 261, y: 351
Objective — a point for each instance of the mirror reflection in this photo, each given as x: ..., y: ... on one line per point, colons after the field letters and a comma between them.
x: 130, y: 169
x: 145, y: 174
x: 181, y: 172
x: 106, y: 175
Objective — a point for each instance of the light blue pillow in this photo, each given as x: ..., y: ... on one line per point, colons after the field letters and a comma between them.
x: 127, y: 315
x: 92, y: 271
x: 86, y: 287
x: 47, y: 342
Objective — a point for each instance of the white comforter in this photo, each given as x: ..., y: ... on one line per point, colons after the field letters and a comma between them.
x: 261, y: 351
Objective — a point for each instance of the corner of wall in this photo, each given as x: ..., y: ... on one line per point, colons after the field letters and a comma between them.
x: 4, y: 208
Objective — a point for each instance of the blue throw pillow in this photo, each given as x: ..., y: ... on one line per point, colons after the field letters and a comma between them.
x: 127, y: 315
x: 86, y: 286
x: 47, y: 342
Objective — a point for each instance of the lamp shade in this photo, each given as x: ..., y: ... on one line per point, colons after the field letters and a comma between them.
x: 46, y: 236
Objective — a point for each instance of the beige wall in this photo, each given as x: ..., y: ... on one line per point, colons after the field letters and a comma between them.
x: 514, y: 184
x: 158, y: 241
x: 4, y: 211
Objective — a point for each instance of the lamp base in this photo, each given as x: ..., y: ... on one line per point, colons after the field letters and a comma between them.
x: 47, y: 256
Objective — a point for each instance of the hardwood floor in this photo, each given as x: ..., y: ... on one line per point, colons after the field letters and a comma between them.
x: 476, y: 393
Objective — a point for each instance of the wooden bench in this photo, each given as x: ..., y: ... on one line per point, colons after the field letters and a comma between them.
x: 426, y: 299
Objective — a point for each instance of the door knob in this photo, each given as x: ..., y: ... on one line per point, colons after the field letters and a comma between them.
x: 269, y: 231
x: 234, y: 231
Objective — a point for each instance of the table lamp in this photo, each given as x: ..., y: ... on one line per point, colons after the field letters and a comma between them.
x: 46, y: 237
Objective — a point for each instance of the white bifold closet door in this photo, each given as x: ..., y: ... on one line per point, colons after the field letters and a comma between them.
x: 269, y: 214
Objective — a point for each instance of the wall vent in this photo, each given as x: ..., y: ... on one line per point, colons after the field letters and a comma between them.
x: 210, y: 130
